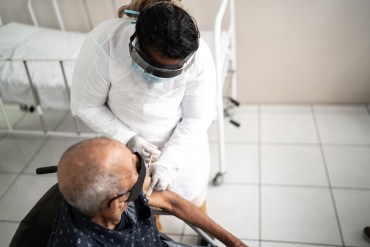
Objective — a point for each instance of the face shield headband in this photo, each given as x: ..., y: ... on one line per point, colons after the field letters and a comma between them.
x: 138, y: 186
x: 155, y: 68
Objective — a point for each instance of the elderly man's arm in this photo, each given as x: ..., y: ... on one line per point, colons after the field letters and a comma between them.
x: 183, y: 209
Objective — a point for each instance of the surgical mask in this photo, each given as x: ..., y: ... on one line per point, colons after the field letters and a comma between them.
x: 147, y: 76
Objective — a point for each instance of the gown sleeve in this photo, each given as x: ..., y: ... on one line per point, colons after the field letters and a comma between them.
x: 89, y: 93
x: 198, y: 112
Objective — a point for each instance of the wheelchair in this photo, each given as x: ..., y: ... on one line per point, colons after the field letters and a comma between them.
x: 36, y: 227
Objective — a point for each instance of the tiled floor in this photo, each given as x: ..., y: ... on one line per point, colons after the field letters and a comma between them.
x: 297, y: 175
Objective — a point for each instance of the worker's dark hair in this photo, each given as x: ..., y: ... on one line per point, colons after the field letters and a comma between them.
x: 168, y: 29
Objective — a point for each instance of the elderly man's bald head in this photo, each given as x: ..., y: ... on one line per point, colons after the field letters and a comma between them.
x: 92, y: 171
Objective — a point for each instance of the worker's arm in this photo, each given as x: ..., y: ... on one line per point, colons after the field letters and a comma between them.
x: 198, y: 107
x: 89, y: 93
x: 198, y: 111
x: 186, y: 211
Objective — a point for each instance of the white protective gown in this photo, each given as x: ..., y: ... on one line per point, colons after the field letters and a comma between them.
x: 111, y: 97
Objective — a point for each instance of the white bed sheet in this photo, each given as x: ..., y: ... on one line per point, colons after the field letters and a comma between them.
x: 21, y: 41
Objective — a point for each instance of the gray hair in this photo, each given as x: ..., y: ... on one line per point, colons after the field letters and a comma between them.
x: 90, y: 200
x: 85, y: 183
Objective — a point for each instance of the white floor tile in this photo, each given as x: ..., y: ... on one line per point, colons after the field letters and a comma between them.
x: 328, y: 108
x: 31, y: 121
x: 354, y: 210
x: 7, y: 230
x: 13, y: 117
x: 241, y: 162
x: 171, y: 224
x: 68, y: 125
x: 175, y: 237
x: 16, y: 151
x: 348, y: 166
x: 289, y: 127
x: 193, y: 240
x: 51, y: 152
x: 235, y: 207
x: 291, y: 216
x: 12, y: 108
x: 251, y: 243
x: 5, y: 181
x: 294, y: 165
x: 189, y: 231
x: 286, y: 108
x: 251, y: 108
x: 344, y: 128
x: 23, y: 195
x: 190, y: 240
x: 247, y: 132
x: 298, y: 215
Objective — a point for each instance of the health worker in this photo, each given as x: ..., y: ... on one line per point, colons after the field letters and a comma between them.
x: 148, y: 80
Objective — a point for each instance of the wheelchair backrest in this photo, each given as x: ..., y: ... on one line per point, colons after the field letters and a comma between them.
x: 36, y: 227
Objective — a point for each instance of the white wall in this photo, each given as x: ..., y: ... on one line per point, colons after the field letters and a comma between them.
x: 288, y: 51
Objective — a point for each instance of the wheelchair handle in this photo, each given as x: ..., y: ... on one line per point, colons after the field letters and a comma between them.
x: 46, y: 170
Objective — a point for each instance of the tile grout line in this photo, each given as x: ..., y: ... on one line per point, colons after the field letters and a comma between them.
x: 30, y: 160
x: 259, y: 126
x: 15, y: 124
x: 182, y: 232
x: 294, y: 186
x: 304, y: 243
x: 20, y: 172
x: 327, y: 175
x: 10, y: 221
x: 292, y: 143
x: 20, y: 119
x: 47, y: 139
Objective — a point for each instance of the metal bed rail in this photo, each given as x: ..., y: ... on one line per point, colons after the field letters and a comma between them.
x: 37, y: 103
x: 59, y: 16
x: 222, y: 67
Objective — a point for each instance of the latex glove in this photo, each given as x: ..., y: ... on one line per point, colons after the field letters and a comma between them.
x: 143, y: 147
x: 162, y: 177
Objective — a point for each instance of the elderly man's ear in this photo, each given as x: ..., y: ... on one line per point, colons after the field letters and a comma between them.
x: 117, y: 205
x: 115, y: 210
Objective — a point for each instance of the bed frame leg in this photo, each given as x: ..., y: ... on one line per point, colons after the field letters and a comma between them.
x: 68, y: 90
x: 36, y: 98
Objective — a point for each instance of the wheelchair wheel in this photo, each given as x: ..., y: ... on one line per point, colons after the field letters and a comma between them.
x: 218, y: 179
x: 203, y: 242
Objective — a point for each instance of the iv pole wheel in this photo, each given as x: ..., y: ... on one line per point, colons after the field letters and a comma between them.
x: 218, y: 179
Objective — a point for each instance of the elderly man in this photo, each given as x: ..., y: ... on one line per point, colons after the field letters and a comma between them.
x: 103, y: 184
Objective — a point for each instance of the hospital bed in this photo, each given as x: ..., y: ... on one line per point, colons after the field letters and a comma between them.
x: 36, y: 66
x: 222, y: 44
x: 36, y: 227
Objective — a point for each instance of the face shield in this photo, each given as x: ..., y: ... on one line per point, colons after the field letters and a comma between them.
x: 154, y: 68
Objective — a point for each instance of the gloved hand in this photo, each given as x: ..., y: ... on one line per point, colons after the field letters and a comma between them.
x: 162, y: 177
x: 143, y: 147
